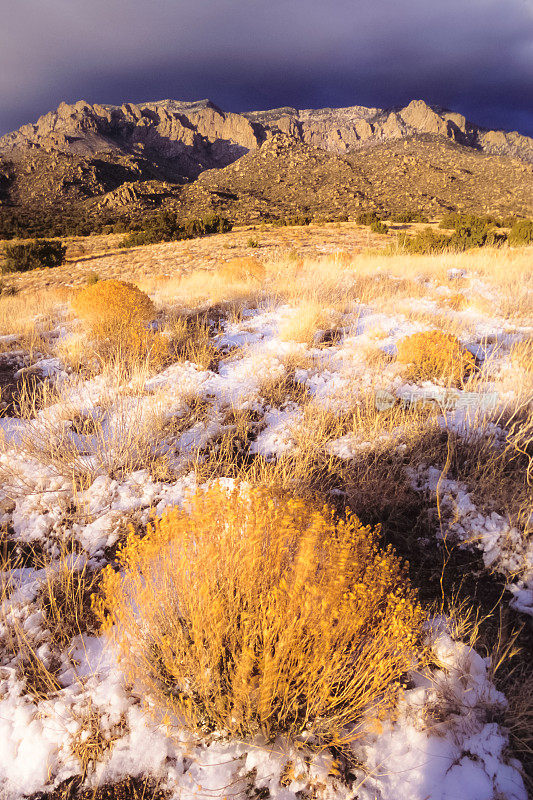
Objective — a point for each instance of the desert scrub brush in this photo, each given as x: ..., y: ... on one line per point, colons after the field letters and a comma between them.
x: 435, y: 355
x: 253, y: 613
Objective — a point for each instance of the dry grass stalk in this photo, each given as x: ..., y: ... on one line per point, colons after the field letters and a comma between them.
x: 244, y: 268
x: 65, y: 600
x: 522, y: 355
x: 90, y: 743
x: 498, y: 472
x: 277, y: 390
x: 191, y: 340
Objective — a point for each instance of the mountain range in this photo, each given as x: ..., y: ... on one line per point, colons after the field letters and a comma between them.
x: 109, y: 162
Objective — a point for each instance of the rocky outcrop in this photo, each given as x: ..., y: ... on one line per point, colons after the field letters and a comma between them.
x: 342, y: 130
x: 422, y: 173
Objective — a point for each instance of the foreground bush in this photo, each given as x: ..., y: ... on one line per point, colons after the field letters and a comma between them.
x: 378, y: 227
x: 297, y: 220
x: 117, y: 314
x: 435, y: 355
x: 35, y: 254
x: 367, y: 218
x: 469, y: 231
x: 253, y: 614
x: 408, y: 216
x: 424, y: 241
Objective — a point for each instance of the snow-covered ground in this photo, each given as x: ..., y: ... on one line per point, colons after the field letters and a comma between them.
x: 444, y: 743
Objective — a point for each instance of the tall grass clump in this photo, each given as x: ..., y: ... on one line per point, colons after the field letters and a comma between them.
x: 243, y: 268
x: 251, y: 613
x: 522, y: 355
x: 435, y: 355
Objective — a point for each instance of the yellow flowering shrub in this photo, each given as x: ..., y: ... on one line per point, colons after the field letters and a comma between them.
x: 112, y: 306
x: 250, y: 613
x: 435, y: 354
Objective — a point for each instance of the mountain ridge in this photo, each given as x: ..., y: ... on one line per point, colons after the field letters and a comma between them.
x: 332, y: 129
x: 114, y: 161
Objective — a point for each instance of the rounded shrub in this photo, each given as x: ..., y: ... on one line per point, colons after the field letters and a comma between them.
x: 111, y: 306
x: 424, y: 241
x: 367, y: 218
x: 435, y: 355
x: 378, y: 227
x: 249, y: 613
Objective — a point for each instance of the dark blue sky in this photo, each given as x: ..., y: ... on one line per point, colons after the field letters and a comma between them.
x: 475, y: 56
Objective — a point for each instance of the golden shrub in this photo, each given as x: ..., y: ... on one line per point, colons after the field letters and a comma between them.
x: 243, y: 268
x: 435, y: 354
x: 251, y: 613
x: 117, y: 314
x: 111, y: 306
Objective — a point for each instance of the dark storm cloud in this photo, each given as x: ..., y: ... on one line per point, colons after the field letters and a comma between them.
x: 475, y: 56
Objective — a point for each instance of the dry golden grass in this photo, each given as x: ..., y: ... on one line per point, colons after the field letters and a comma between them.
x: 30, y: 317
x: 190, y: 339
x: 443, y: 320
x: 242, y: 268
x: 121, y: 434
x: 305, y: 320
x: 24, y: 310
x: 204, y: 289
x: 277, y: 390
x: 522, y: 355
x: 518, y: 718
x: 65, y: 600
x: 283, y: 620
x: 456, y: 301
x: 37, y: 666
x: 499, y: 474
x: 374, y: 481
x: 435, y: 355
x: 90, y: 742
